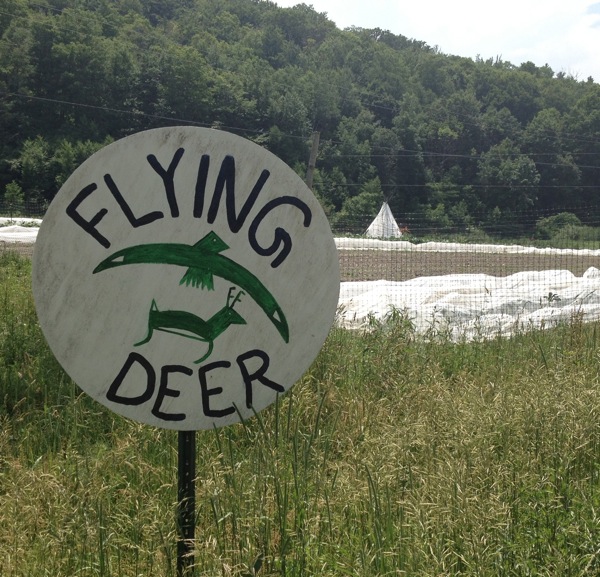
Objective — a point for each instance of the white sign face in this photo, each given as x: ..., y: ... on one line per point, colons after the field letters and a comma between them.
x: 184, y: 277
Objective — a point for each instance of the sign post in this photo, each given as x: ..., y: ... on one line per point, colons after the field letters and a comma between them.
x: 185, y: 277
x: 186, y: 501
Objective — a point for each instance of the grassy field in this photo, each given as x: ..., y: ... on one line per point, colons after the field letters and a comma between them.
x: 394, y: 455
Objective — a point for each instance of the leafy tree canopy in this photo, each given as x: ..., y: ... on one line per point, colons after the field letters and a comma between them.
x: 460, y: 140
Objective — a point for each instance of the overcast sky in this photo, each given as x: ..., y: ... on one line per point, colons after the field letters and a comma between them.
x: 562, y: 33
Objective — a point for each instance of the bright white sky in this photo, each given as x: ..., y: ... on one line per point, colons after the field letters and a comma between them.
x: 562, y: 33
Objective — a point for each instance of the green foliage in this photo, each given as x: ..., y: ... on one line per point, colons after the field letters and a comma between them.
x: 434, y: 129
x: 14, y: 198
x: 34, y: 166
x: 367, y: 202
x: 437, y: 217
x: 576, y: 236
x: 564, y: 223
x: 394, y: 454
x: 510, y: 177
x: 43, y: 168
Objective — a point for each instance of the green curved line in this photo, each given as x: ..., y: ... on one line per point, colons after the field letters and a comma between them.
x: 207, y: 354
x: 205, y: 262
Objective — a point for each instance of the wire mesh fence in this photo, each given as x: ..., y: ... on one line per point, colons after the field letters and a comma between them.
x: 475, y: 280
x: 471, y: 280
x: 27, y: 208
x: 16, y: 216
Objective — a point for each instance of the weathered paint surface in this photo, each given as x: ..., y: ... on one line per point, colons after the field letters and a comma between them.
x: 184, y: 277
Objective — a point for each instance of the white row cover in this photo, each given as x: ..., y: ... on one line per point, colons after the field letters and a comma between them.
x: 471, y: 306
x: 475, y: 306
x: 12, y: 230
x: 466, y: 306
x: 17, y: 233
x: 404, y: 245
x: 21, y: 220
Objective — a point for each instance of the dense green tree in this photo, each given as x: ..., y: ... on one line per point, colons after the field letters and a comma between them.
x: 34, y: 170
x: 509, y: 177
x: 366, y: 203
x: 559, y: 175
x: 448, y: 136
x: 16, y: 69
x: 353, y: 151
x: 498, y: 125
x: 68, y: 155
x: 14, y: 199
x: 547, y: 227
x: 582, y: 132
x: 410, y: 192
x: 302, y: 25
x: 332, y: 188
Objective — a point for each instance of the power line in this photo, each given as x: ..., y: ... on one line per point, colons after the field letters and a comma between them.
x: 126, y: 112
x: 400, y: 154
x: 403, y: 153
x: 69, y: 13
x: 455, y: 186
x: 477, y: 157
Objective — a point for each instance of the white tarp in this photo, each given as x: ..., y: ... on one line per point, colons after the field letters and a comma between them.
x: 473, y: 306
x: 403, y: 245
x: 18, y: 233
x: 467, y: 306
x: 384, y: 224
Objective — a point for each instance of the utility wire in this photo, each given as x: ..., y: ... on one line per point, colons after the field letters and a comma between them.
x: 69, y: 11
x: 61, y: 26
x: 400, y: 154
x: 127, y: 112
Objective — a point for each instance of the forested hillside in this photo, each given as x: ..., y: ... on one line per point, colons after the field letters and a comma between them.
x: 461, y: 141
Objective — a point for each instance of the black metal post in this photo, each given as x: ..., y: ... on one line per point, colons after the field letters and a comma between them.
x: 186, y: 503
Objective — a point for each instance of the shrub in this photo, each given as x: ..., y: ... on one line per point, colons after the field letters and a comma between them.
x: 546, y: 228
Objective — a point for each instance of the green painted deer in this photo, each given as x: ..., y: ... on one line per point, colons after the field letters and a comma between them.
x: 191, y: 326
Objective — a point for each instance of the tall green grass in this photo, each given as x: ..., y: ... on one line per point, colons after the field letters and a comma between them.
x: 394, y: 455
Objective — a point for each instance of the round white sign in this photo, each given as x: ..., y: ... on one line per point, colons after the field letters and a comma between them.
x: 184, y: 277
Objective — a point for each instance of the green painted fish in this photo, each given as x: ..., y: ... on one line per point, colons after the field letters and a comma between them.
x: 203, y: 262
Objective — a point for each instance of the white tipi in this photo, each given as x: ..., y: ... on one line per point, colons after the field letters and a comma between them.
x: 384, y: 224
